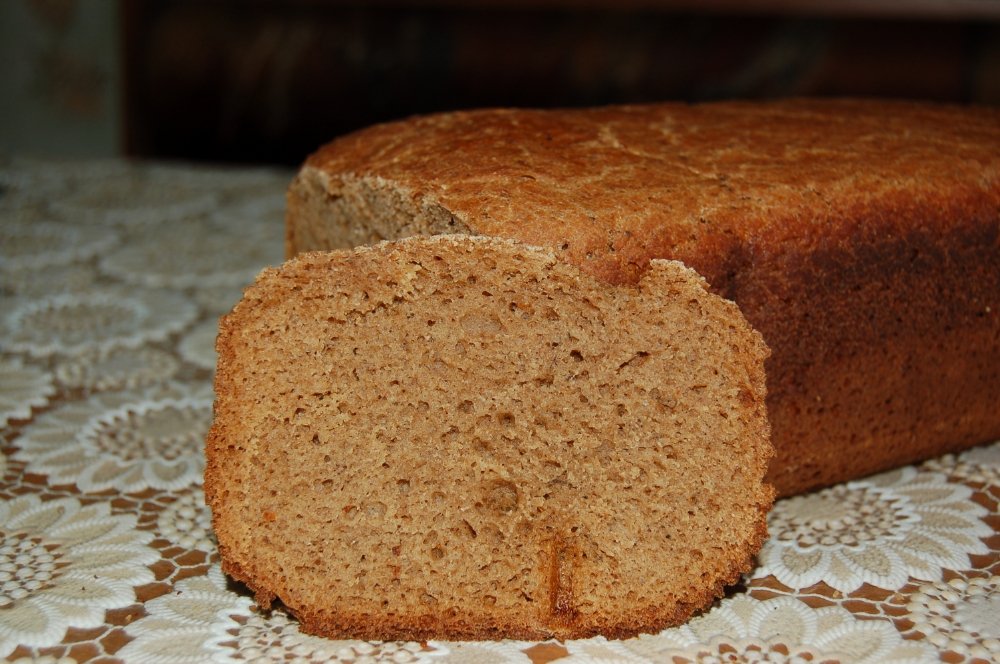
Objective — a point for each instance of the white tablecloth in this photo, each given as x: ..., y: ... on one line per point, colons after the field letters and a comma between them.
x: 112, y: 278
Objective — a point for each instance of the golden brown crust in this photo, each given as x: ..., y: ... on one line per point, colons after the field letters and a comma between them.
x: 860, y: 237
x: 326, y: 476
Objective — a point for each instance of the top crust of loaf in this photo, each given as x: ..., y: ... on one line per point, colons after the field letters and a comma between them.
x: 464, y: 437
x: 712, y: 176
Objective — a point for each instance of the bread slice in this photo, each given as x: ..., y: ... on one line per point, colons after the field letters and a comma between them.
x: 463, y: 437
x: 861, y: 238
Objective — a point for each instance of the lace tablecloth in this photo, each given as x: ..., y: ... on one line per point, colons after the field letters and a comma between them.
x: 112, y: 278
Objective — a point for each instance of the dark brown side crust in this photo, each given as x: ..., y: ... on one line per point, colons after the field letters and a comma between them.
x: 885, y: 347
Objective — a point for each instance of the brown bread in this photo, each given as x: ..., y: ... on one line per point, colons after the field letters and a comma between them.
x: 465, y: 437
x: 861, y: 238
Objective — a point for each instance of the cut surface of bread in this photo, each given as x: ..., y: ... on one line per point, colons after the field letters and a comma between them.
x: 860, y: 237
x: 463, y: 437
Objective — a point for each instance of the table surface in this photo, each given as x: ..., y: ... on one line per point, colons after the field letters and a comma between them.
x: 112, y: 278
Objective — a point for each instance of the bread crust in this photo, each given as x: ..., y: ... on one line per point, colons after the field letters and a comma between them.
x: 861, y: 238
x: 265, y: 441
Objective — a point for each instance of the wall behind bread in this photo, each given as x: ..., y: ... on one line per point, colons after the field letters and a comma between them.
x: 269, y: 80
x: 61, y: 78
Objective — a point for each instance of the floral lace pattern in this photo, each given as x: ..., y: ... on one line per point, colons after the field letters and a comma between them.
x: 38, y: 283
x: 961, y: 615
x: 42, y: 243
x: 194, y: 252
x: 101, y: 319
x: 781, y: 629
x: 136, y: 199
x: 879, y: 531
x: 198, y: 345
x: 63, y: 564
x: 112, y: 278
x: 980, y: 464
x: 202, y: 617
x: 22, y: 387
x: 127, y: 441
x: 117, y: 368
x: 187, y: 623
x: 188, y: 522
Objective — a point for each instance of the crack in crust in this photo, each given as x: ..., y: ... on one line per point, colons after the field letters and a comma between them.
x: 563, y: 558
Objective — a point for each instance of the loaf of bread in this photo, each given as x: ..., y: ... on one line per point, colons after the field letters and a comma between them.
x: 861, y: 238
x: 465, y: 437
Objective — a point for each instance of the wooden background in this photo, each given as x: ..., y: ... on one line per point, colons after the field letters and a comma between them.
x: 269, y: 81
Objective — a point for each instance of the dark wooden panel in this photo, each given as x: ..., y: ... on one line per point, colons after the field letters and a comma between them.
x: 269, y: 81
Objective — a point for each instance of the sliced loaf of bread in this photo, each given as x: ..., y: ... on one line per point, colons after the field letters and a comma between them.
x: 861, y: 238
x: 463, y: 437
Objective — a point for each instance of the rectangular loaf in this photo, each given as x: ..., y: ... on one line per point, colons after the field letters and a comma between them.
x: 861, y: 238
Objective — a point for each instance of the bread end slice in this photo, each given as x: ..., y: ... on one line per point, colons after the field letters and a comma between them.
x: 462, y: 437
